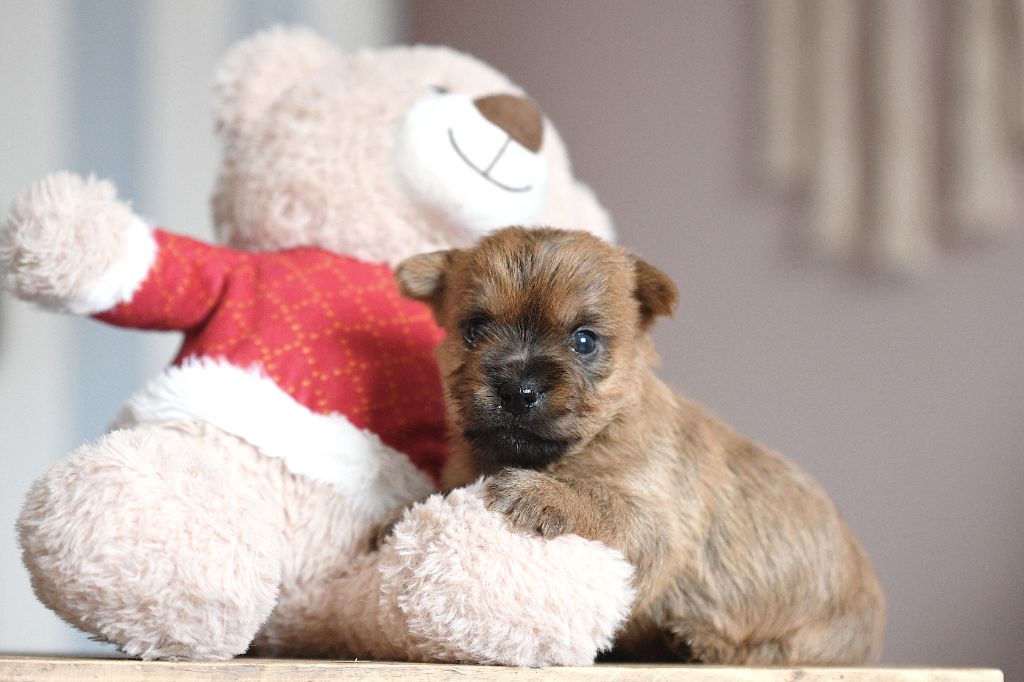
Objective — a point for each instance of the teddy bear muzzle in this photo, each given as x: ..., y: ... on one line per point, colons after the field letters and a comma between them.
x: 476, y: 161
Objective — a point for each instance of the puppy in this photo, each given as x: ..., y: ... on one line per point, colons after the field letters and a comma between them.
x: 740, y: 556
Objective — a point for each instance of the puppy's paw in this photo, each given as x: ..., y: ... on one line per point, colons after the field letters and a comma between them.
x: 701, y: 643
x: 530, y: 499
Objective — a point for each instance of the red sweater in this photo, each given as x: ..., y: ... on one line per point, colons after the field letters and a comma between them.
x: 331, y: 331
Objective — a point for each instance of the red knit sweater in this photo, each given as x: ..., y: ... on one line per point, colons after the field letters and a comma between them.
x: 331, y: 331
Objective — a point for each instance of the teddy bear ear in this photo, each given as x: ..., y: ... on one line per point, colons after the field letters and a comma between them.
x: 654, y: 290
x: 258, y: 69
x: 424, y: 277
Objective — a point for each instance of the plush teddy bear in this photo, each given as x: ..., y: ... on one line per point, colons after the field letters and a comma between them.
x: 230, y: 507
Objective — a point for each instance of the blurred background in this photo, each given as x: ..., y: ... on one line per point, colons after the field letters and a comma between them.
x: 844, y: 312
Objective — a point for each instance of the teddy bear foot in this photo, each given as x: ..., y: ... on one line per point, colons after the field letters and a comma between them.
x: 144, y: 540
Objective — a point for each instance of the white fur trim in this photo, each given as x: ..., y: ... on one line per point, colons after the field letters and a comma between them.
x: 466, y: 167
x: 247, y: 404
x: 119, y: 283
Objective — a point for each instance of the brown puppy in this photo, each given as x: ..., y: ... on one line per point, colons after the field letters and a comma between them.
x: 740, y: 556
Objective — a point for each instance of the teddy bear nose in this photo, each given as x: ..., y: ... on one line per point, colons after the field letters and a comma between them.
x: 517, y: 116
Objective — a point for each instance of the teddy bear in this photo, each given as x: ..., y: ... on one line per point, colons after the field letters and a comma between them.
x: 228, y: 508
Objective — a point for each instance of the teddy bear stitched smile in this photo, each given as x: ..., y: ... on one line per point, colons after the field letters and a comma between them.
x: 448, y: 142
x: 515, y: 116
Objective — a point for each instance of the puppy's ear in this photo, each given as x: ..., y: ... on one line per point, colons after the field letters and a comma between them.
x: 657, y: 293
x: 423, y: 277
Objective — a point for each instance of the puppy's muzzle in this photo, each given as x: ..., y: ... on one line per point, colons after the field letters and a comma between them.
x: 518, y: 396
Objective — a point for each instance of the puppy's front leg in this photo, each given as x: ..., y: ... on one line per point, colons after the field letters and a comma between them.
x: 541, y: 502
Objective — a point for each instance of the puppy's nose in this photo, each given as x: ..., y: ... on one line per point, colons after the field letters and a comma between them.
x: 518, y: 396
x: 516, y: 116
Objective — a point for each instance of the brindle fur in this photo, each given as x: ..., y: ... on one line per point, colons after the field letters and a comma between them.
x: 740, y: 556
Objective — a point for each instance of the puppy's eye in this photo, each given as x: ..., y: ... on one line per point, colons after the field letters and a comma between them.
x: 584, y: 341
x: 473, y: 329
x: 439, y: 89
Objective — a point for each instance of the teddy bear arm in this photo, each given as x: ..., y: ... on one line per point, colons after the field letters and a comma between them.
x: 461, y: 583
x: 70, y: 245
x: 184, y: 285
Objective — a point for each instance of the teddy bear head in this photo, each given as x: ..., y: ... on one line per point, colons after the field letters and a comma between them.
x: 381, y: 154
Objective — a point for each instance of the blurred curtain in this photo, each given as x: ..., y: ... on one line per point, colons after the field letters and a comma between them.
x: 898, y: 123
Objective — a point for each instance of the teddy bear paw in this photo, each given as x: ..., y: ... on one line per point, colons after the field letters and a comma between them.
x: 69, y: 244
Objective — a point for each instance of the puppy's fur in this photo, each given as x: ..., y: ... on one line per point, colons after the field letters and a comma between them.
x: 740, y: 556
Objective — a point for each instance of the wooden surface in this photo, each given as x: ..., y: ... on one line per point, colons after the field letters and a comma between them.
x: 23, y: 668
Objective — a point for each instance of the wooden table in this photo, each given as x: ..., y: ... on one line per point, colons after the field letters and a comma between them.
x: 24, y: 668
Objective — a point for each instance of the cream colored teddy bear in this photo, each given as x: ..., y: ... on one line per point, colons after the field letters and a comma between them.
x: 231, y: 504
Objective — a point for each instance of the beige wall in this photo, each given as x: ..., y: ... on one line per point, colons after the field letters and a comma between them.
x: 907, y: 401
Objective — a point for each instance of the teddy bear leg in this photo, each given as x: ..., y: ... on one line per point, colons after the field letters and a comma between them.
x: 328, y: 605
x: 161, y: 539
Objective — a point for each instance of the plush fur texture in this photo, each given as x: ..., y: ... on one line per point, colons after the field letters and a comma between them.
x: 326, y: 448
x: 223, y: 511
x: 146, y: 538
x: 458, y: 583
x: 542, y: 603
x: 740, y: 556
x: 82, y: 271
